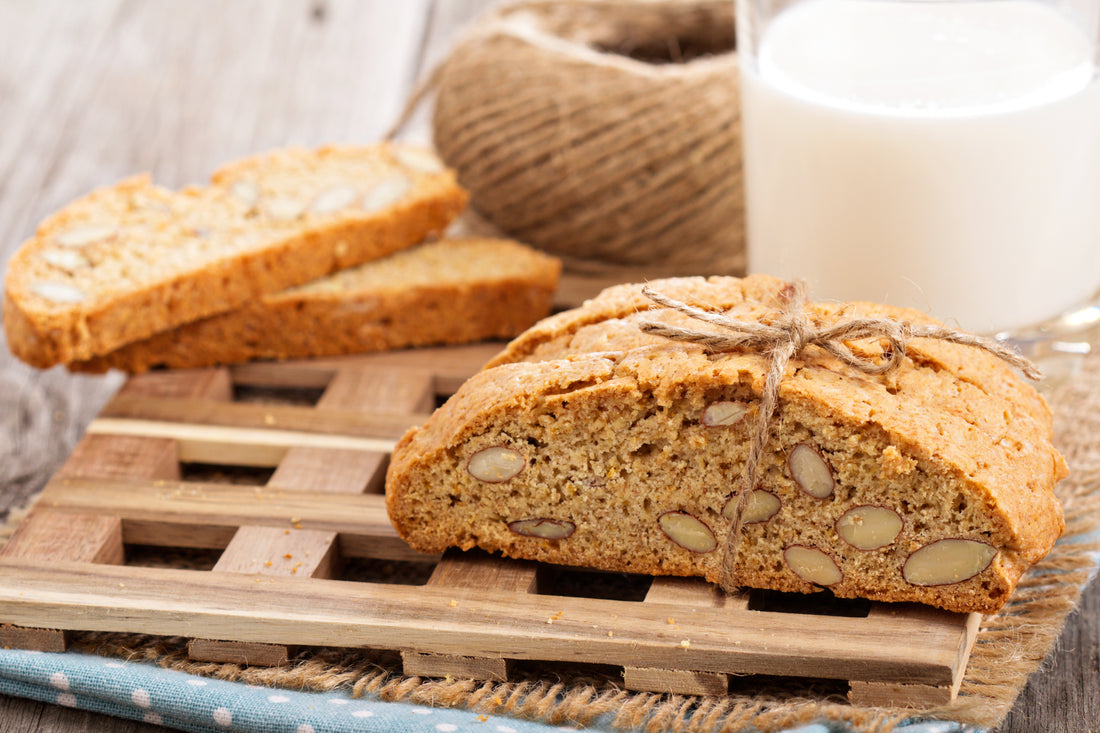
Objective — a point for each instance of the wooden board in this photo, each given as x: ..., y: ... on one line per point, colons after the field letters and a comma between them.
x: 284, y: 543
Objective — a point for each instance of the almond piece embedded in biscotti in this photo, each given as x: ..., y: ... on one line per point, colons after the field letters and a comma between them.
x: 724, y: 413
x: 947, y: 561
x: 283, y: 209
x: 812, y: 565
x: 334, y: 199
x: 687, y: 531
x: 869, y: 527
x: 58, y: 292
x: 65, y: 259
x: 246, y: 192
x: 810, y: 471
x: 418, y: 160
x: 386, y: 192
x: 495, y: 465
x: 85, y: 235
x: 543, y: 528
x: 762, y: 506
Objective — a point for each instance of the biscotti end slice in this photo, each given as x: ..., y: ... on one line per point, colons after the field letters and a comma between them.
x: 447, y: 292
x: 132, y: 260
x: 615, y: 449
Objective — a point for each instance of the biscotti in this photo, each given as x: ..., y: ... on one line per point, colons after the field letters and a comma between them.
x: 593, y: 443
x: 447, y: 292
x: 134, y: 259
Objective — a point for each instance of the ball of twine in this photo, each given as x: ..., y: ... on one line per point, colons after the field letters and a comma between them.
x: 603, y: 131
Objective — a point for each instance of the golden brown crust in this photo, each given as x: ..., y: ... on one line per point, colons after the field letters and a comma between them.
x: 609, y: 422
x: 131, y: 260
x: 447, y: 292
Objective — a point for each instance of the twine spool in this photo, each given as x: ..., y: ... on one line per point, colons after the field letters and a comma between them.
x: 604, y: 131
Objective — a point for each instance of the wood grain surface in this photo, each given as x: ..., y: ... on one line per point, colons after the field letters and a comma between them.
x: 94, y: 91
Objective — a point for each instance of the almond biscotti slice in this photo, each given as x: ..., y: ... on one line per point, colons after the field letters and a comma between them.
x: 447, y: 292
x: 615, y: 449
x: 134, y: 259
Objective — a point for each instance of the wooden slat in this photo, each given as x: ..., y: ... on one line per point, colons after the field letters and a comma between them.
x: 416, y: 664
x: 93, y: 538
x: 329, y: 470
x: 184, y: 514
x: 232, y: 446
x: 274, y: 551
x: 450, y: 366
x: 122, y: 456
x: 267, y: 551
x: 894, y: 694
x: 53, y: 536
x: 683, y: 596
x: 378, y: 389
x: 295, y: 418
x: 474, y: 622
x: 239, y: 652
x: 308, y: 553
x: 387, y: 389
x: 472, y: 571
x: 206, y: 384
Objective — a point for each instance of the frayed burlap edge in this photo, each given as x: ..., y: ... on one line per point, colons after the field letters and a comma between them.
x: 1010, y: 645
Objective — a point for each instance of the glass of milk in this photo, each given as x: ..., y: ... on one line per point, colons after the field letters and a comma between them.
x: 938, y: 154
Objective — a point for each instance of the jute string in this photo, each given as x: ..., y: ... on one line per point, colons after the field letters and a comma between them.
x: 567, y: 142
x: 782, y: 338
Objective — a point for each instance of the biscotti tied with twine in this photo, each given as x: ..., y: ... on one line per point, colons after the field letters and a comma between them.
x: 590, y: 442
x: 446, y: 292
x: 134, y: 259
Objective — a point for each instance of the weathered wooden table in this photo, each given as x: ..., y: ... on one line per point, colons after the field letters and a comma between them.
x: 94, y: 91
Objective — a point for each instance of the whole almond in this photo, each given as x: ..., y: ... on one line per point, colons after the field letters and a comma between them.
x: 496, y: 464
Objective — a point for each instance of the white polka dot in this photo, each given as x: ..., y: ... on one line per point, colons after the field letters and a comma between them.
x: 67, y: 699
x: 277, y: 698
x: 337, y: 701
x: 59, y: 680
x: 505, y: 729
x: 114, y: 665
x: 305, y: 728
x: 363, y: 714
x: 421, y: 711
x: 153, y: 719
x: 446, y: 728
x: 197, y: 683
x: 140, y: 698
x: 223, y: 717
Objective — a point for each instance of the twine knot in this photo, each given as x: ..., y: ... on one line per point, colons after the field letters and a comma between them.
x: 787, y: 334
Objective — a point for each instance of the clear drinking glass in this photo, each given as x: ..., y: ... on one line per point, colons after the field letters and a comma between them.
x: 938, y: 154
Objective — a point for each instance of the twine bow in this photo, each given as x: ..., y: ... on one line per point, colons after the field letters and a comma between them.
x: 783, y: 338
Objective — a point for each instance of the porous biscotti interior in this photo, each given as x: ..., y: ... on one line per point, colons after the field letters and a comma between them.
x: 617, y: 454
x: 264, y: 224
x: 448, y: 262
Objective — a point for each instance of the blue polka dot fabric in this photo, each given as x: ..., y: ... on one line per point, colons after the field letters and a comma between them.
x: 141, y: 691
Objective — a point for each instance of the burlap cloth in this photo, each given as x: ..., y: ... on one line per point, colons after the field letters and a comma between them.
x: 1009, y: 648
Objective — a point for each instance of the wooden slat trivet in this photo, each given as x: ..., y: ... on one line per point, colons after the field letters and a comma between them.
x: 283, y: 546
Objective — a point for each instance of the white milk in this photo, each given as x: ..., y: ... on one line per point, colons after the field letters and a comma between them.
x: 960, y: 176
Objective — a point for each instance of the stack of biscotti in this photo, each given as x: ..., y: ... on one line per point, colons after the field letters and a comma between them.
x: 447, y: 292
x: 590, y: 442
x: 136, y: 276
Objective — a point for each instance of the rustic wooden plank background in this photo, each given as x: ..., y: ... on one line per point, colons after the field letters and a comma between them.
x: 94, y: 91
